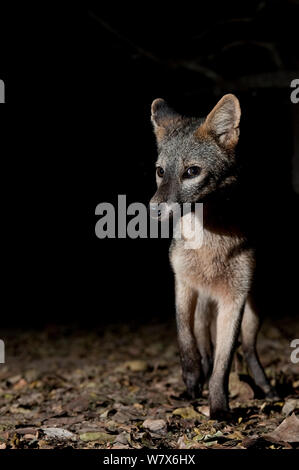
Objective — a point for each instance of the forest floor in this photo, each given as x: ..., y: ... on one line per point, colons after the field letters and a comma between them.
x: 121, y: 387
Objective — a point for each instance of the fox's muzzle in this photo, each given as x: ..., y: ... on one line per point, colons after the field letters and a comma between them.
x: 163, y: 210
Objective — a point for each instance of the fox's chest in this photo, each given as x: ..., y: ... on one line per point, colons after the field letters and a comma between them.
x: 205, y: 265
x: 196, y: 266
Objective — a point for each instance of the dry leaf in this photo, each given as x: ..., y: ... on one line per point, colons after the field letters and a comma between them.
x: 186, y: 413
x: 102, y: 437
x: 154, y: 425
x: 239, y: 389
x: 58, y: 433
x: 287, y: 431
x: 204, y: 410
x: 136, y: 365
x: 289, y: 406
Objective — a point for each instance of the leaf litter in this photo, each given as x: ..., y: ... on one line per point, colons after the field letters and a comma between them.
x: 121, y: 387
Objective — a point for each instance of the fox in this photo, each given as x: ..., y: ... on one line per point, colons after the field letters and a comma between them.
x: 215, y: 283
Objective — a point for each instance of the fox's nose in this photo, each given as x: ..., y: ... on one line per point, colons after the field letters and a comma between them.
x: 154, y: 211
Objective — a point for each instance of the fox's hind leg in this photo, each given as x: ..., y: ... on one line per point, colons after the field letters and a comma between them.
x: 186, y: 298
x: 249, y: 330
x: 202, y: 327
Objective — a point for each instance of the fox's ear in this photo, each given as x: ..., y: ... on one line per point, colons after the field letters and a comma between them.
x: 223, y: 121
x: 164, y: 118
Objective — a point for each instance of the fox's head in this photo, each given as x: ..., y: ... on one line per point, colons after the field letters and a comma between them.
x: 196, y: 157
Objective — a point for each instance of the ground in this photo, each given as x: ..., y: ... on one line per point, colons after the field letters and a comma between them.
x: 120, y: 387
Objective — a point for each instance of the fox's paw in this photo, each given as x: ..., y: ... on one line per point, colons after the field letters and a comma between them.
x: 193, y: 385
x: 221, y: 415
x: 194, y: 391
x: 272, y: 395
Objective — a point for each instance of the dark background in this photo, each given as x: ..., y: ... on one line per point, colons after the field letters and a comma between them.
x: 65, y: 158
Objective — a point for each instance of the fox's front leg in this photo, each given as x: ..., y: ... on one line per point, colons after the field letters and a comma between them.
x: 190, y: 358
x: 227, y: 331
x: 202, y: 327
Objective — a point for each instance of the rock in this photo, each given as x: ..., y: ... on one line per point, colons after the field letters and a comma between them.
x: 154, y: 425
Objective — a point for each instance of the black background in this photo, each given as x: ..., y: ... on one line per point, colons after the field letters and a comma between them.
x: 64, y: 157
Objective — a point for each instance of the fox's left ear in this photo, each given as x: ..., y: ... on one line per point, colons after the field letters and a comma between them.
x: 223, y: 121
x: 164, y: 118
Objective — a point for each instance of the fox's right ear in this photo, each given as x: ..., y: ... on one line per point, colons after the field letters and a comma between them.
x: 164, y: 118
x: 223, y: 121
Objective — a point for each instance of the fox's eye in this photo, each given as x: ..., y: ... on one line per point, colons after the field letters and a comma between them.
x: 192, y: 172
x: 160, y: 171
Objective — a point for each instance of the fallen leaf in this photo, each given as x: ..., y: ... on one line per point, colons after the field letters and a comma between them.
x: 20, y: 384
x: 251, y: 441
x: 287, y: 431
x: 63, y: 421
x: 42, y: 444
x: 28, y: 430
x: 102, y: 437
x: 19, y: 409
x: 31, y: 375
x: 122, y: 438
x: 185, y: 443
x: 14, y: 379
x: 32, y: 399
x: 78, y: 405
x: 154, y: 425
x: 204, y: 410
x: 136, y: 365
x: 186, y: 413
x: 58, y: 433
x: 209, y: 437
x: 240, y: 389
x: 139, y: 406
x: 289, y: 406
x: 29, y: 436
x: 210, y: 443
